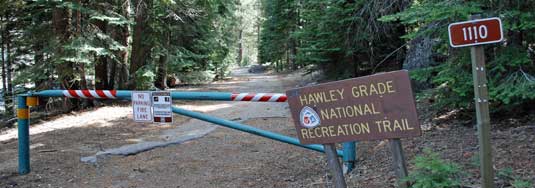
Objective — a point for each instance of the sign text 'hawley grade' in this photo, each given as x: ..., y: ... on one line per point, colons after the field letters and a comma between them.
x: 367, y: 108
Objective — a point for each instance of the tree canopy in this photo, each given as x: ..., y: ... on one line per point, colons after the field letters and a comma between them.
x: 354, y: 38
x: 141, y: 44
x: 119, y: 44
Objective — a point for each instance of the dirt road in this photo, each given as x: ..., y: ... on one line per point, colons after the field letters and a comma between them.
x: 222, y: 158
x: 210, y: 156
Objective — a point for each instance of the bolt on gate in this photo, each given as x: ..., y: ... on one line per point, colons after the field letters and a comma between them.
x: 348, y: 152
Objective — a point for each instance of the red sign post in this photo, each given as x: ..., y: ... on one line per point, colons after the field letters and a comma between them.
x: 475, y: 32
x: 472, y: 33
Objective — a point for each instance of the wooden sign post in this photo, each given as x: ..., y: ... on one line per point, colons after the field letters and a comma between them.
x: 398, y: 161
x: 333, y: 163
x: 491, y: 32
x: 373, y: 107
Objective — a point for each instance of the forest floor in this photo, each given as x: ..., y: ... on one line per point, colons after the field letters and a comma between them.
x: 222, y: 157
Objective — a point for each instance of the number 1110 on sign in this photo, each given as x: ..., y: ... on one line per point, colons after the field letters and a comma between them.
x: 475, y: 32
x: 481, y: 33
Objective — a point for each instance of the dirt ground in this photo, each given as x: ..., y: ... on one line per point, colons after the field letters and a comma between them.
x: 228, y: 158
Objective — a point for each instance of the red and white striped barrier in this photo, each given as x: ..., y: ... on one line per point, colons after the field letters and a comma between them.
x: 259, y: 97
x: 96, y: 94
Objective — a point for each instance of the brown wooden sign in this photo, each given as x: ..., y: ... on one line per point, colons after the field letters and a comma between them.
x: 374, y: 107
x: 475, y: 32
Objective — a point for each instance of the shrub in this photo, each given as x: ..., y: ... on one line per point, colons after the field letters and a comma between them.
x: 145, y: 78
x: 432, y: 171
x: 196, y: 77
x: 509, y: 178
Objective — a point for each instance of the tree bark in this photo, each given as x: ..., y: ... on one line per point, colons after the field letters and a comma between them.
x: 78, y: 32
x: 140, y: 50
x: 61, y: 22
x: 9, y: 64
x: 122, y: 37
x: 123, y: 77
x: 4, y: 85
x: 101, y: 66
x: 38, y: 58
x: 240, y: 47
x: 113, y: 72
x: 161, y: 79
x: 293, y: 54
x: 8, y: 95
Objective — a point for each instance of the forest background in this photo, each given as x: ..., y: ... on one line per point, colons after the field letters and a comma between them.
x: 141, y: 44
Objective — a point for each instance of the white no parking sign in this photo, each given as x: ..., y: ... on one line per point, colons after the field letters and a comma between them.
x: 152, y: 106
x: 142, y: 106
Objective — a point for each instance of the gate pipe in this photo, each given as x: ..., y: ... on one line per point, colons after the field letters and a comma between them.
x: 250, y: 129
x: 350, y: 156
x: 125, y: 94
x: 23, y: 129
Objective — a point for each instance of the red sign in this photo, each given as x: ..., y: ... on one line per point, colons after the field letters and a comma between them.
x: 475, y: 32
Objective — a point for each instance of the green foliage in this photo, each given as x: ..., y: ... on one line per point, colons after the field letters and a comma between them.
x: 245, y: 61
x: 521, y: 184
x: 203, y: 41
x: 53, y: 45
x: 421, y: 13
x: 454, y: 83
x: 342, y: 38
x: 432, y: 171
x: 196, y: 77
x: 510, y: 65
x: 145, y: 78
x: 507, y: 175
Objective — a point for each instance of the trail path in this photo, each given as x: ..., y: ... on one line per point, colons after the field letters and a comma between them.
x: 189, y: 153
x: 195, y: 154
x: 193, y: 129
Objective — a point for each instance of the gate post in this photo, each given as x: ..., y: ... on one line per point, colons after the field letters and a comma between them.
x: 23, y: 127
x: 350, y: 156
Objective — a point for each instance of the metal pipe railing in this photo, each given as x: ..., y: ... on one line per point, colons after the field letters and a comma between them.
x: 249, y: 129
x: 176, y: 95
x: 348, y: 153
x: 23, y: 128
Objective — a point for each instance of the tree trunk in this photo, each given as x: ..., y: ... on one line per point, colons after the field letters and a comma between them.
x: 122, y: 37
x: 101, y: 66
x: 140, y: 50
x: 38, y: 59
x: 111, y: 78
x: 4, y: 85
x: 9, y: 65
x: 161, y: 78
x: 240, y: 47
x: 41, y: 83
x: 8, y: 95
x: 293, y: 54
x: 61, y: 21
x: 78, y: 32
x: 123, y: 77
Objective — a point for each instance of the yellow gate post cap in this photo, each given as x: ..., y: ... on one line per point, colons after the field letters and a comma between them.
x: 32, y: 101
x: 23, y: 113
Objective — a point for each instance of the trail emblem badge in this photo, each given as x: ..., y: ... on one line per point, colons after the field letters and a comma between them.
x: 309, y: 118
